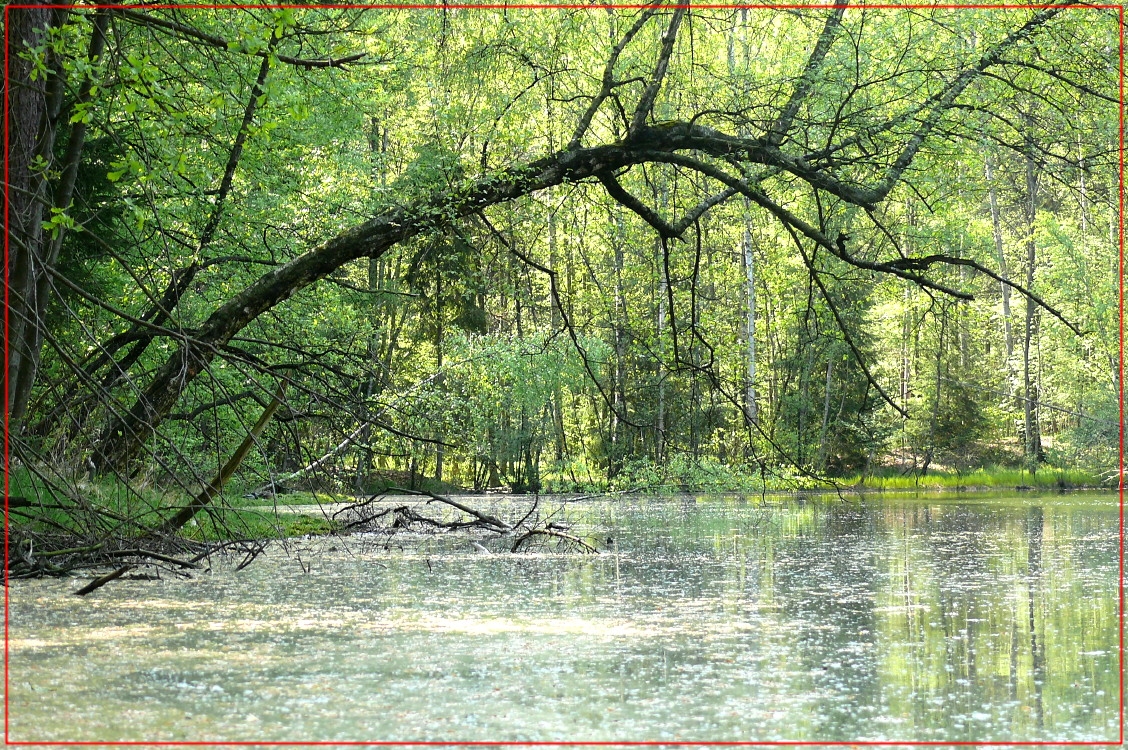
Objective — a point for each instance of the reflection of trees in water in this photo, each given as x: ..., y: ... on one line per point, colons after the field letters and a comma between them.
x: 1034, y: 524
x: 958, y: 542
x: 965, y: 622
x: 827, y: 576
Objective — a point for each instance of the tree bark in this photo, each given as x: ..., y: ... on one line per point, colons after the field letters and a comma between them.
x: 1033, y: 441
x: 34, y: 113
x: 997, y: 232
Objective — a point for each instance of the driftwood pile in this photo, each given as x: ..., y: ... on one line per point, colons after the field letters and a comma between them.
x: 371, y: 515
x: 34, y: 554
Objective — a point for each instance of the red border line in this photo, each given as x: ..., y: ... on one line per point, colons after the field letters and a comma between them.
x: 566, y: 6
x: 1120, y: 363
x: 7, y: 359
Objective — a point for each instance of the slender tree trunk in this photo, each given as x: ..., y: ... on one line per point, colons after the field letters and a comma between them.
x: 660, y: 248
x: 660, y: 419
x: 1084, y: 194
x: 751, y: 411
x: 804, y: 393
x: 556, y: 319
x: 618, y: 392
x: 439, y: 452
x: 997, y: 232
x: 750, y: 406
x: 378, y: 147
x: 906, y: 374
x: 1033, y: 448
x: 556, y: 315
x: 821, y: 462
x: 934, y: 418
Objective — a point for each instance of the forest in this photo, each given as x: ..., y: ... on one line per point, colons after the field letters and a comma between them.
x: 584, y: 249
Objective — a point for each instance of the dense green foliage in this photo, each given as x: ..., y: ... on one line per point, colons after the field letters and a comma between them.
x: 556, y: 340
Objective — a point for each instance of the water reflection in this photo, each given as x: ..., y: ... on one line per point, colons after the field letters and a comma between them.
x: 709, y: 619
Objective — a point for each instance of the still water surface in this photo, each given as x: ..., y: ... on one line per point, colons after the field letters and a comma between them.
x: 940, y: 619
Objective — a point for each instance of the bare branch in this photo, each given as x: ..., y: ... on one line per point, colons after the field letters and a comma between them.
x: 145, y: 19
x: 483, y: 517
x: 609, y: 83
x: 924, y: 263
x: 942, y: 101
x: 555, y: 534
x: 791, y: 220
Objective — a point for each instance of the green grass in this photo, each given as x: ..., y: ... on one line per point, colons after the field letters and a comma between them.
x: 991, y: 477
x: 221, y: 524
x: 107, y: 506
x: 681, y: 476
x: 290, y: 498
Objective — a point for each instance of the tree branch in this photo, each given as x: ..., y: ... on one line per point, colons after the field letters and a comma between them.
x: 608, y: 83
x: 782, y: 125
x: 145, y: 19
x: 942, y: 101
x: 650, y: 94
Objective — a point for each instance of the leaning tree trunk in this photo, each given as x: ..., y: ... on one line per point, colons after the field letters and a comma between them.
x: 128, y: 431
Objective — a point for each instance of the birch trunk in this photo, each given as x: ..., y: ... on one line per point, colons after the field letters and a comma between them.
x: 1033, y: 447
x: 997, y: 232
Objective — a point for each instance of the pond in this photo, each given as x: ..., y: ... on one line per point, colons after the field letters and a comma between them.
x: 703, y: 619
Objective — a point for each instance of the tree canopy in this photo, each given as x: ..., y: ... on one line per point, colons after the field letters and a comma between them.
x: 516, y: 245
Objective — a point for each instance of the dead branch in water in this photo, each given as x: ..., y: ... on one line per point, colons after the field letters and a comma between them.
x: 101, y: 581
x: 153, y: 555
x: 484, y: 518
x: 552, y: 533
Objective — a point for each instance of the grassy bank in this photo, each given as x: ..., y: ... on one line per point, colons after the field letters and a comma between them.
x: 108, y: 507
x: 682, y: 475
x: 986, y: 478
